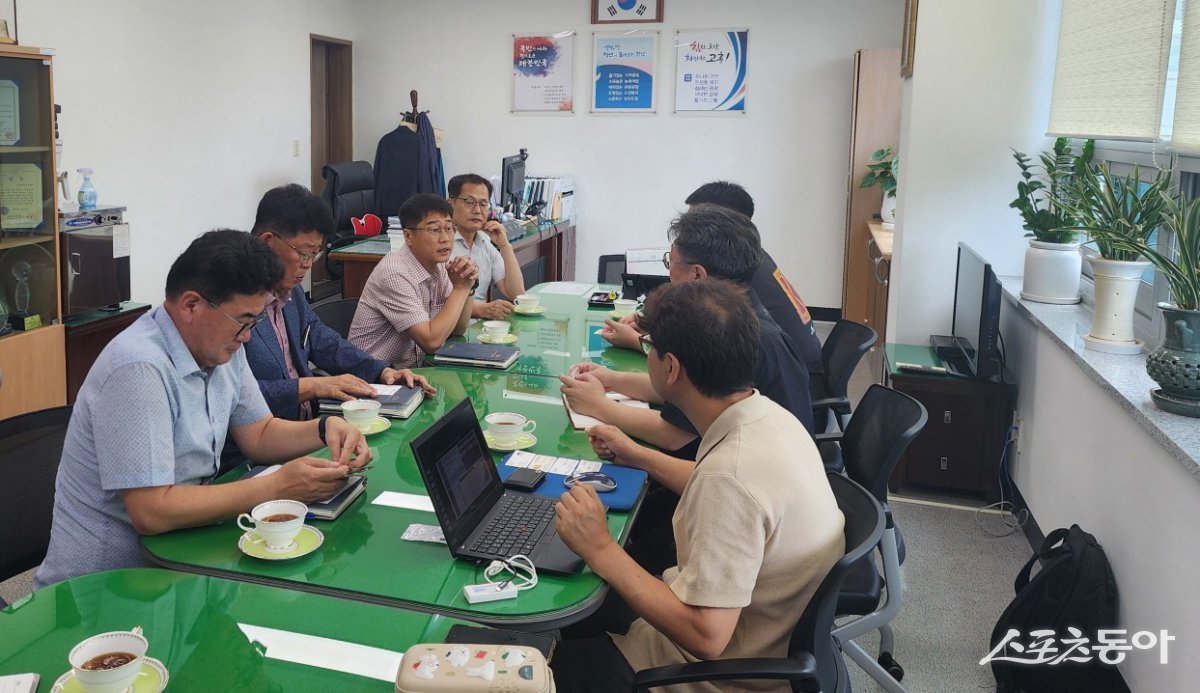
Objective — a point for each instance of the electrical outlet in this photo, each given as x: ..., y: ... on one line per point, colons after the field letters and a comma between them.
x: 295, y: 148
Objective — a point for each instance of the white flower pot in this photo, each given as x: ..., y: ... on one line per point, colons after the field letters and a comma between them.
x: 1116, y: 289
x: 887, y: 213
x: 1051, y: 272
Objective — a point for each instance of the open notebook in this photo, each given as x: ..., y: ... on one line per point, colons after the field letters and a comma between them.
x: 582, y: 422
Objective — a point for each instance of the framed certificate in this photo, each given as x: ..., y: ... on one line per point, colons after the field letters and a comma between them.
x: 10, y: 112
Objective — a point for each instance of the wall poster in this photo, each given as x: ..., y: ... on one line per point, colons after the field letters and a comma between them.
x: 623, y: 69
x: 710, y: 70
x: 543, y: 73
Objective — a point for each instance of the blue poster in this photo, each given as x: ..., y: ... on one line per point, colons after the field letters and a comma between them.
x: 710, y: 70
x: 623, y: 73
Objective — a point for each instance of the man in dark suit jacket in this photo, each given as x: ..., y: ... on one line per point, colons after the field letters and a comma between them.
x: 293, y: 223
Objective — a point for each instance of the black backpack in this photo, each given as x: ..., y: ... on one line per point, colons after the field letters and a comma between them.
x: 1074, y: 588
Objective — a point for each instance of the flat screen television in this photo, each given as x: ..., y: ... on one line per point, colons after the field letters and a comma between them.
x: 512, y: 182
x: 971, y: 351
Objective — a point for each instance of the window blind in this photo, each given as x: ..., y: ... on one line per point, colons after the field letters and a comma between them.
x: 1111, y: 69
x: 1185, y: 136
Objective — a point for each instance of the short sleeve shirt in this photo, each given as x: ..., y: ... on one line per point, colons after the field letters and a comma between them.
x: 147, y: 415
x: 776, y: 534
x: 487, y: 258
x: 399, y: 294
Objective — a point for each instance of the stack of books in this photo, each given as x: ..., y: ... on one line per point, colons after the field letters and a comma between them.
x: 480, y: 355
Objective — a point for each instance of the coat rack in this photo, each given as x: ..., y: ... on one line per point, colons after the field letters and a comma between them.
x: 409, y: 118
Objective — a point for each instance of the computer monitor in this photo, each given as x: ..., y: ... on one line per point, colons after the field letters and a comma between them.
x: 976, y: 315
x: 512, y: 182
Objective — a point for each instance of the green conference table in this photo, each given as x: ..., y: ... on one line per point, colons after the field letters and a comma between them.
x: 363, y: 556
x: 217, y: 635
x: 565, y: 334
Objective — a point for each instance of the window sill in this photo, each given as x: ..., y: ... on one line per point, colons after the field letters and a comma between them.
x: 1123, y: 377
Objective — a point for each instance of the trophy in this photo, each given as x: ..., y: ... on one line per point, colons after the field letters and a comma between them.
x: 21, y: 319
x: 4, y: 328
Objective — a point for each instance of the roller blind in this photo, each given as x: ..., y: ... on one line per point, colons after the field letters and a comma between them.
x: 1111, y: 69
x: 1185, y: 136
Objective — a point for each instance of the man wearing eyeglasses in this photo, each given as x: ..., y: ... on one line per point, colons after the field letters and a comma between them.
x: 293, y: 223
x: 418, y: 296
x: 470, y: 196
x: 152, y: 417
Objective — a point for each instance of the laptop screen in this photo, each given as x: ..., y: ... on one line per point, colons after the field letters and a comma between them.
x: 458, y: 470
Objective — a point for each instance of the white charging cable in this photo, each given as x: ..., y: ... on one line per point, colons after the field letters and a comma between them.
x: 521, y: 573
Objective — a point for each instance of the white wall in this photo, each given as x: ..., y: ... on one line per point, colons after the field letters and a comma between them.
x: 633, y: 172
x: 186, y: 110
x: 981, y: 84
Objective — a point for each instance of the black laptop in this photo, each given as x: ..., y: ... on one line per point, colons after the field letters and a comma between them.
x: 482, y: 520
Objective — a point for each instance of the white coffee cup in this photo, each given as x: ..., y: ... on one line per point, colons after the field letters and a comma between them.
x: 528, y: 301
x: 624, y: 306
x: 496, y: 328
x: 361, y: 413
x: 506, y: 427
x: 108, y: 680
x: 277, y: 534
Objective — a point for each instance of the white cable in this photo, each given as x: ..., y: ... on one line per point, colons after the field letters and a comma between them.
x: 523, y: 575
x: 1018, y: 519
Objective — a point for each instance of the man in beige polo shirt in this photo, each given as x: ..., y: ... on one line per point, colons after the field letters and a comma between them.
x: 757, y: 526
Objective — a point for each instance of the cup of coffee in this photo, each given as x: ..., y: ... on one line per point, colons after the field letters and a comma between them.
x: 528, y: 301
x: 108, y: 662
x: 624, y: 306
x: 496, y: 328
x: 276, y: 522
x: 361, y: 413
x: 506, y: 427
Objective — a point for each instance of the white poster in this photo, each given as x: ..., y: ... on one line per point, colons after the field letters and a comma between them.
x: 542, y: 73
x: 623, y: 72
x: 710, y: 70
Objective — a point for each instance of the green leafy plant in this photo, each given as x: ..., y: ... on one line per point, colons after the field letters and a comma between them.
x: 882, y: 172
x: 1181, y: 264
x: 1040, y: 185
x: 1118, y: 212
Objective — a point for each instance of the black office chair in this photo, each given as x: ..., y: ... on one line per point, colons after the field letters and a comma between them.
x: 350, y: 192
x: 338, y: 315
x: 814, y: 662
x: 30, y: 449
x: 840, y: 354
x: 884, y: 423
x: 611, y: 269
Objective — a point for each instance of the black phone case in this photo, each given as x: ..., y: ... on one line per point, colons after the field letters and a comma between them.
x: 524, y: 479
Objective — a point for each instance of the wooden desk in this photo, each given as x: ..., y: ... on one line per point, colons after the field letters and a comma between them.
x: 553, y: 244
x: 88, y: 334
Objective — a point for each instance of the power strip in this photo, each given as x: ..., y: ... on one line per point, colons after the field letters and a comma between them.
x: 490, y: 592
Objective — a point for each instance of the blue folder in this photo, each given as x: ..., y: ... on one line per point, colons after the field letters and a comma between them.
x: 630, y: 482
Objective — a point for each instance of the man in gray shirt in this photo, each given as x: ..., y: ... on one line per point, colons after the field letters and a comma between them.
x: 152, y: 417
x: 485, y: 241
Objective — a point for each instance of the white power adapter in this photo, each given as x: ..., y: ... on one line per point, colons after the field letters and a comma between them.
x: 490, y: 592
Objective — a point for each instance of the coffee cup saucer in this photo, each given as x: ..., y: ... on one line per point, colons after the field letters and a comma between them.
x: 501, y: 339
x: 308, y: 540
x: 618, y: 314
x: 151, y: 679
x: 378, y: 425
x: 521, y: 442
x: 525, y: 310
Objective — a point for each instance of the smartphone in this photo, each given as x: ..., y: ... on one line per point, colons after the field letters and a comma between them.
x: 524, y: 479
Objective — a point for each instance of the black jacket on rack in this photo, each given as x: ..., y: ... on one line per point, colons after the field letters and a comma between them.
x: 407, y: 163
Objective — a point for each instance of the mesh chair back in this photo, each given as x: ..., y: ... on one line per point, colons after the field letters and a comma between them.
x: 338, y: 315
x: 611, y: 269
x: 813, y: 633
x: 30, y: 448
x: 883, y: 425
x: 841, y: 352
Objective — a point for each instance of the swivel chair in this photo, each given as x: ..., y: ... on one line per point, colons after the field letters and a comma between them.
x: 30, y: 449
x: 840, y: 354
x: 338, y: 315
x: 814, y: 662
x: 884, y: 423
x: 349, y: 192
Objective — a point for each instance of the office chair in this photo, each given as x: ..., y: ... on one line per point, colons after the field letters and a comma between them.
x: 30, y: 448
x: 884, y: 423
x: 611, y: 269
x: 840, y: 354
x: 814, y: 662
x: 338, y: 315
x: 350, y: 192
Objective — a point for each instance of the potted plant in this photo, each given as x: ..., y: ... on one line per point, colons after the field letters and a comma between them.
x: 1052, y: 261
x: 1119, y: 214
x: 1175, y: 363
x: 883, y: 174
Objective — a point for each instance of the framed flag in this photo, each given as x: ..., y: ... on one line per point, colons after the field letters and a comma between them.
x: 626, y: 11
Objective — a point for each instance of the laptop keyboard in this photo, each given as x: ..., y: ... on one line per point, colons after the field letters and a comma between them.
x: 519, y: 523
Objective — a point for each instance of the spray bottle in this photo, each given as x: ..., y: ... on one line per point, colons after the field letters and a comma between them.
x: 87, y: 193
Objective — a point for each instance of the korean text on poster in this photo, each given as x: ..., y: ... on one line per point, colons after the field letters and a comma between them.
x: 542, y: 73
x: 710, y: 70
x: 623, y: 73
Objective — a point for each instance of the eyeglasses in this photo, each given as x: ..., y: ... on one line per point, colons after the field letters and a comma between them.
x: 667, y: 261
x: 308, y: 258
x: 436, y: 230
x: 646, y: 343
x: 242, y: 326
x: 473, y: 203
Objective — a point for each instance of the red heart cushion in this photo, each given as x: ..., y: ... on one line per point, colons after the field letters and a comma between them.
x: 369, y: 225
